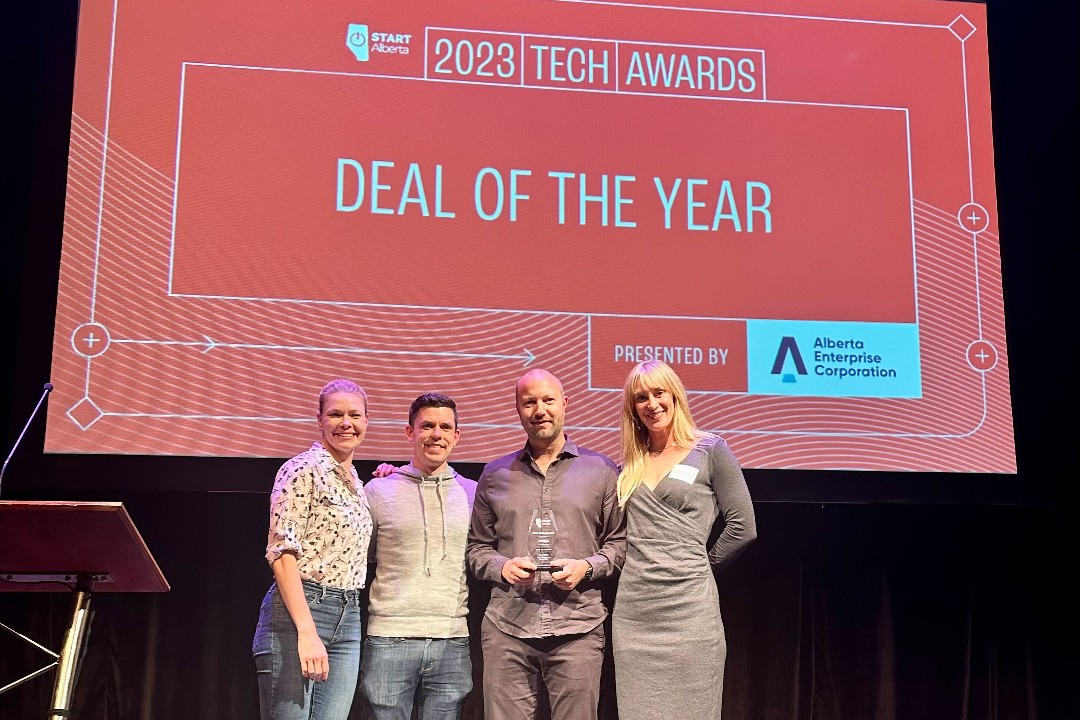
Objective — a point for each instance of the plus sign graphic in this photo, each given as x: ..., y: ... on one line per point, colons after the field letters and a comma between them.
x: 90, y: 339
x: 973, y: 217
x: 982, y: 356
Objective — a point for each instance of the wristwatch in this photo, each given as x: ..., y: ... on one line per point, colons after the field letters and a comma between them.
x: 588, y: 573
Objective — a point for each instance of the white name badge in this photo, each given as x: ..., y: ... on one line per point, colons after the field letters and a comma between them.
x: 686, y: 473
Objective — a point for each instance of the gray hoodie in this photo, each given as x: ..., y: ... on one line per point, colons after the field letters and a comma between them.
x: 418, y: 546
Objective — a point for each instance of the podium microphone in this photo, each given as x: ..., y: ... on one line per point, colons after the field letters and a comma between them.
x: 46, y: 391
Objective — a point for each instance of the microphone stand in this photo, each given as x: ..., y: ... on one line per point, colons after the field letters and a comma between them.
x: 44, y: 393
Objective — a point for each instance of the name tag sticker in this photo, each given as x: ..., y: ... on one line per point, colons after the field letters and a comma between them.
x: 686, y: 473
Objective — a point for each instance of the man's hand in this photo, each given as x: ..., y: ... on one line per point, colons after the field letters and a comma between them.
x: 571, y: 573
x: 518, y: 571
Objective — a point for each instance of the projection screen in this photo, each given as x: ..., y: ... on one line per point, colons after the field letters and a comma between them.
x: 791, y: 203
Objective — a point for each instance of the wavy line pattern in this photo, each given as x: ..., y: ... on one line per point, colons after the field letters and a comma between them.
x: 202, y: 399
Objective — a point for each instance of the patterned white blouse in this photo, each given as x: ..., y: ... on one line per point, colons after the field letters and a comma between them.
x: 319, y: 513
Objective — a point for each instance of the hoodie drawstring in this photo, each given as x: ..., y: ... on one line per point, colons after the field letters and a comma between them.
x: 442, y: 506
x: 423, y: 515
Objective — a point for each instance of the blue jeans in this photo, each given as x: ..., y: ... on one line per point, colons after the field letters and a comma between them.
x: 437, y: 672
x: 284, y: 693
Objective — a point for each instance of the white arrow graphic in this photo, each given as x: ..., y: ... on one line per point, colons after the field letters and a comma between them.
x: 207, y: 344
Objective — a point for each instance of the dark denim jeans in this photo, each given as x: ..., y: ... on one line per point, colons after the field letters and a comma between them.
x: 284, y: 693
x: 436, y: 671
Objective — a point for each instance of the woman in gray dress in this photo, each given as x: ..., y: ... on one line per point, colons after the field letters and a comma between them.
x: 668, y: 637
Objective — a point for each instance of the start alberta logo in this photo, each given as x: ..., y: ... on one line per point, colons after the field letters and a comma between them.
x: 356, y: 39
x: 362, y: 42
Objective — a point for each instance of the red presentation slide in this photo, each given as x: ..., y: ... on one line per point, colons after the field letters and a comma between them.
x: 795, y: 209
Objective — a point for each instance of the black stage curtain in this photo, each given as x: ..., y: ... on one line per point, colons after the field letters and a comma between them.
x: 838, y: 612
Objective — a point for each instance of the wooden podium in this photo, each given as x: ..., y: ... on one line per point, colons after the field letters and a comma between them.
x: 79, y: 547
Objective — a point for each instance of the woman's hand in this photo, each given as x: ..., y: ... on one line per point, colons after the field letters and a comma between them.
x: 383, y: 470
x: 309, y: 646
x: 313, y: 661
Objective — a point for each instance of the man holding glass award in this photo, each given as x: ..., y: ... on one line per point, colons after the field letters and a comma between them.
x: 546, y: 528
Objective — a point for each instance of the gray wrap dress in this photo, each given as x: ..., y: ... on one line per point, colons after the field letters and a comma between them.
x: 667, y: 634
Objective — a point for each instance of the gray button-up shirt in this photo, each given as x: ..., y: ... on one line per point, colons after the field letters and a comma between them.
x: 579, y: 490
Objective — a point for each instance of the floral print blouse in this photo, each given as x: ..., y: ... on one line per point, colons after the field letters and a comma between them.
x: 319, y: 514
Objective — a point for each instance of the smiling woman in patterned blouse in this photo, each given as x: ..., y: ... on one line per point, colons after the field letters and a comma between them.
x: 307, y: 644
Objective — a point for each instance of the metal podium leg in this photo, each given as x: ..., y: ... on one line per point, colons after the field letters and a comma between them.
x: 70, y: 657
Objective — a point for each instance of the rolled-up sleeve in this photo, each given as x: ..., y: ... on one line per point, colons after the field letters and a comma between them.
x: 290, y: 505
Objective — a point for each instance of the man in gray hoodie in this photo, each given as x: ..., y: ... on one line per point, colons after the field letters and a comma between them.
x: 418, y: 638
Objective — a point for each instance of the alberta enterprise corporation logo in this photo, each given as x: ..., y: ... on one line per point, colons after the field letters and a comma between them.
x: 361, y: 42
x: 836, y: 358
x: 833, y: 358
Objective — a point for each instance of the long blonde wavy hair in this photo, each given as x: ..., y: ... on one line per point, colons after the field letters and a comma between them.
x: 646, y: 376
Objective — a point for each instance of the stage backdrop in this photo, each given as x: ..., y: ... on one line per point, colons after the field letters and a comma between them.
x: 794, y: 208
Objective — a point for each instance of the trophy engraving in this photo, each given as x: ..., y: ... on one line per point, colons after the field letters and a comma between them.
x: 542, y: 531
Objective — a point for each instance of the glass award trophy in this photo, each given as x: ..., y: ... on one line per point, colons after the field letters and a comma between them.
x: 542, y: 531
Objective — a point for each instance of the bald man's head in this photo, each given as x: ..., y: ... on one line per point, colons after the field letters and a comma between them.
x: 541, y: 406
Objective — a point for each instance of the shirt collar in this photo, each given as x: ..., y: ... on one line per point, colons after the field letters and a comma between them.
x: 329, y: 463
x: 568, y: 449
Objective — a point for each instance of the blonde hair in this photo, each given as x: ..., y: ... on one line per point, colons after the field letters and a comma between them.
x: 341, y: 385
x: 651, y: 375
